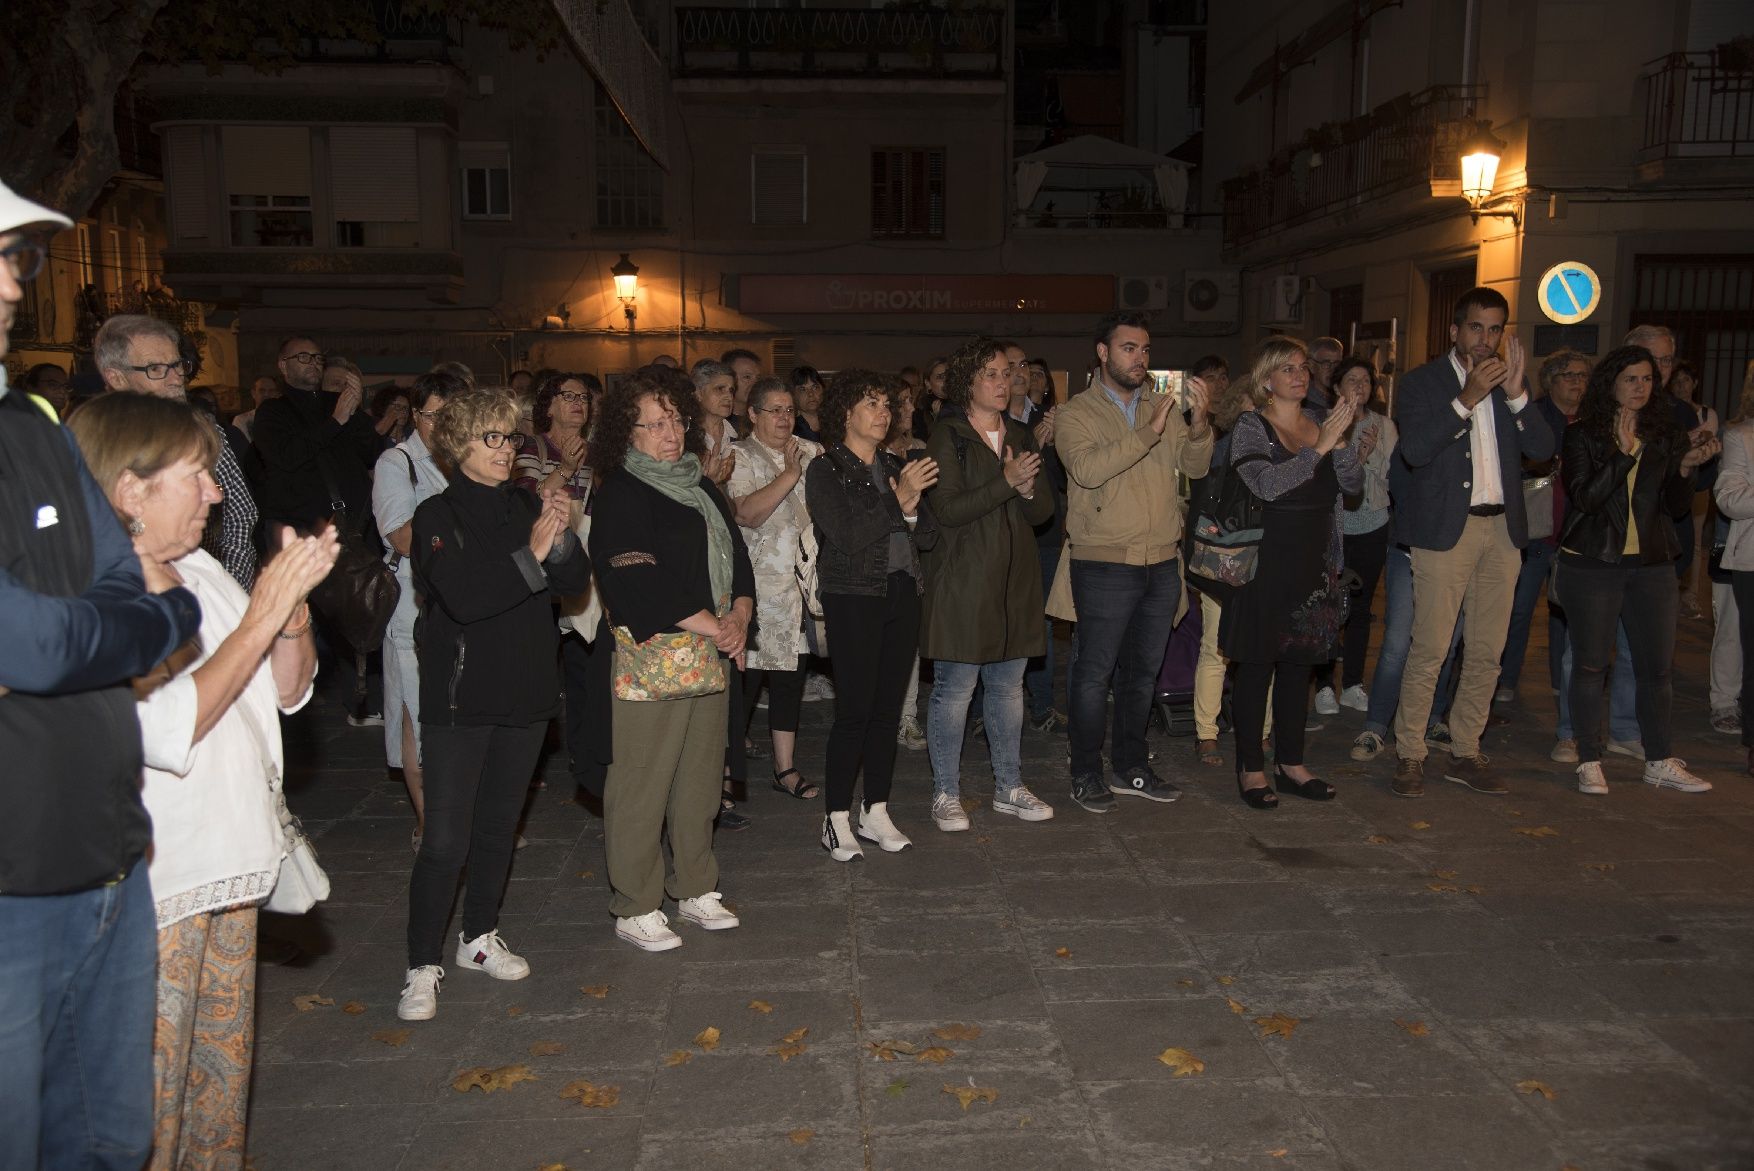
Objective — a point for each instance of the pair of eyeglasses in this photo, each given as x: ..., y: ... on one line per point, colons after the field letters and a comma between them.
x: 306, y: 358
x: 429, y: 416
x: 498, y: 439
x: 24, y: 258
x: 782, y: 412
x: 573, y: 396
x: 159, y: 371
x: 670, y: 423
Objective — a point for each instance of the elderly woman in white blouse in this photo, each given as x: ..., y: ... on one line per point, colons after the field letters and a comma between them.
x: 209, y: 719
x: 766, y: 490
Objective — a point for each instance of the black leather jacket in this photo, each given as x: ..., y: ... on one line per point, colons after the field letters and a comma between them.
x: 853, y: 522
x: 1594, y: 470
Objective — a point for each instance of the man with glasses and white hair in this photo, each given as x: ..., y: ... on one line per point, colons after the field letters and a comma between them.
x: 317, y: 448
x: 144, y: 355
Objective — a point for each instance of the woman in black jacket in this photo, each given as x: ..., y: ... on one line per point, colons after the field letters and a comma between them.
x: 871, y: 522
x: 669, y: 559
x: 1628, y: 471
x: 486, y: 556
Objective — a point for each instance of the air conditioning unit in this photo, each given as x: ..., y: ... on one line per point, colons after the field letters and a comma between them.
x: 783, y: 357
x: 1142, y: 292
x: 1283, y: 296
x: 1212, y: 295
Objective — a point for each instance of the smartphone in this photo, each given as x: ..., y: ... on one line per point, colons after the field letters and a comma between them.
x: 913, y: 454
x: 1173, y: 382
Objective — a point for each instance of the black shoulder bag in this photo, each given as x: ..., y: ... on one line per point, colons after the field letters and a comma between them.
x: 1222, y: 547
x: 360, y: 593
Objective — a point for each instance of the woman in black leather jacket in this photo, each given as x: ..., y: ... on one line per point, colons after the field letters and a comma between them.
x: 1628, y: 471
x: 871, y: 522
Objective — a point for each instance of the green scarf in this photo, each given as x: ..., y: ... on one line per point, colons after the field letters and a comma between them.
x: 680, y: 481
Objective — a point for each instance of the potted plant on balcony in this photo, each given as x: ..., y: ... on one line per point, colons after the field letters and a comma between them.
x: 1736, y: 55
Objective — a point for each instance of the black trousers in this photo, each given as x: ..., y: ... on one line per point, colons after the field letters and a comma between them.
x: 477, y: 778
x: 1598, y: 598
x: 1248, y: 707
x: 1365, y: 555
x: 785, y: 696
x: 874, y: 640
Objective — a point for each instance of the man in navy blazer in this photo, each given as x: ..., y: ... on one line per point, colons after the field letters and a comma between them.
x: 1464, y: 434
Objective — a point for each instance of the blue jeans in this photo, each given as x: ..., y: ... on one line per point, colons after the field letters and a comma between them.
x: 1537, y: 560
x: 947, y: 718
x: 1040, y: 675
x: 78, y: 996
x: 1125, y: 613
x: 1622, y: 692
x: 1397, y: 640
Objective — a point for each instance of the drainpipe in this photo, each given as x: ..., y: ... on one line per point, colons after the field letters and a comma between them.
x: 1470, y: 34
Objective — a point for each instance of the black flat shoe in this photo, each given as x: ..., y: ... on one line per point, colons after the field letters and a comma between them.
x: 1259, y: 797
x: 1314, y: 789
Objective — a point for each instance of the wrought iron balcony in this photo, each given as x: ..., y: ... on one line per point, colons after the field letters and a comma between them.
x: 1698, y: 105
x: 1407, y: 141
x: 838, y: 42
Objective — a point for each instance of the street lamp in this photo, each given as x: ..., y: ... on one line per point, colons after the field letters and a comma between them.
x: 1480, y: 155
x: 626, y: 274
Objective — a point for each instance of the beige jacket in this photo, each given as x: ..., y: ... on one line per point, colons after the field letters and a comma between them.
x: 1123, y: 502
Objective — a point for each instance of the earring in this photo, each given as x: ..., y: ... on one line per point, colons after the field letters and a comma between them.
x: 136, y: 526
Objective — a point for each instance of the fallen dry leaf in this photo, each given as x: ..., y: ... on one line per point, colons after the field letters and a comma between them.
x: 969, y: 804
x: 1422, y: 825
x: 968, y: 1095
x: 982, y: 840
x: 488, y: 1080
x: 516, y: 1010
x: 595, y: 991
x: 796, y: 1035
x: 1064, y: 953
x: 353, y: 1007
x: 957, y: 1032
x: 1443, y: 887
x: 1184, y: 1063
x: 587, y: 873
x: 707, y: 1038
x: 1446, y: 875
x: 1236, y: 1006
x: 1379, y: 840
x: 311, y: 1000
x: 1536, y: 831
x: 897, y: 1088
x: 788, y: 1050
x: 1279, y: 1152
x: 801, y: 1136
x: 1531, y: 1086
x: 1475, y: 890
x: 1603, y: 867
x: 1227, y: 981
x: 761, y: 1006
x: 1277, y: 1025
x: 936, y: 1054
x: 678, y: 1057
x: 1184, y: 983
x: 394, y: 1038
x: 886, y: 1050
x: 552, y: 1167
x: 1414, y: 1028
x: 587, y: 1094
x: 546, y: 1048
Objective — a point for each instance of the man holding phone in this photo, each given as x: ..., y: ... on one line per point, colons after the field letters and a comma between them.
x: 1122, y: 449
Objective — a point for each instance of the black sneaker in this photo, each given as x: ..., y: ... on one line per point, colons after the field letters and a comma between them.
x: 1089, y: 791
x: 730, y: 819
x: 1142, y: 782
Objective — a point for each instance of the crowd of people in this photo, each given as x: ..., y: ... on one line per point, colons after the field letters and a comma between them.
x: 654, y: 562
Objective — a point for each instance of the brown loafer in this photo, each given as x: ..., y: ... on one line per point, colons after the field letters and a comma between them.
x: 1409, y: 778
x: 1475, y: 772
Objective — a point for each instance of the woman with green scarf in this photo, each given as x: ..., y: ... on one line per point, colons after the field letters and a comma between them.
x: 669, y: 559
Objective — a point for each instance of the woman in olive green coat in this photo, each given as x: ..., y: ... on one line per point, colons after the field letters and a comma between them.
x: 983, y: 605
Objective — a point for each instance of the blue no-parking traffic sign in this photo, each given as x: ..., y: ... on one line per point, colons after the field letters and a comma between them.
x: 1569, y: 292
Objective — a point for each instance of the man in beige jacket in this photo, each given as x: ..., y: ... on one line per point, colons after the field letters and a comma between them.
x: 1122, y: 447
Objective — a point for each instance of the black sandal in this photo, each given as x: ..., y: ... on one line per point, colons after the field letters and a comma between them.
x: 804, y: 790
x: 1258, y: 797
x: 1315, y: 789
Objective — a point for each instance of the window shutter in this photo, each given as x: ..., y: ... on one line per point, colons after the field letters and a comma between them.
x: 778, y: 185
x: 374, y: 174
x: 267, y: 160
x: 186, y: 182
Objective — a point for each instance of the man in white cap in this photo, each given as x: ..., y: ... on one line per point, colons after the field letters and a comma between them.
x: 78, y: 972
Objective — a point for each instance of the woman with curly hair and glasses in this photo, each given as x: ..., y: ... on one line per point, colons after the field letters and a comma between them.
x: 871, y: 523
x: 670, y: 560
x: 554, y: 458
x: 1628, y: 472
x: 487, y: 559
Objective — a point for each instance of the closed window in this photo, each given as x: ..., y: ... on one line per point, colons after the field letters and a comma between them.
x: 487, y: 180
x: 629, y: 183
x: 374, y: 188
x: 268, y: 185
x: 907, y: 193
x: 779, y: 188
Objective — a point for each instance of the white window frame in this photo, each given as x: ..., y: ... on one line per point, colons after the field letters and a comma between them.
x: 467, y: 153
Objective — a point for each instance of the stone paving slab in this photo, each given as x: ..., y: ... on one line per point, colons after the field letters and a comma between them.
x: 1420, y: 958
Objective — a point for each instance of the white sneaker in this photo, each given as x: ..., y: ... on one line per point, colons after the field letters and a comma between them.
x: 1325, y: 703
x: 488, y: 953
x: 708, y: 912
x: 1368, y: 746
x: 1590, y: 779
x: 1632, y: 748
x: 1564, y: 752
x: 818, y: 687
x: 1023, y: 805
x: 909, y: 735
x: 420, y: 993
x: 948, y: 814
x: 1504, y: 695
x: 1355, y: 698
x: 838, y: 839
x: 1672, y: 773
x: 875, y: 826
x: 649, y: 932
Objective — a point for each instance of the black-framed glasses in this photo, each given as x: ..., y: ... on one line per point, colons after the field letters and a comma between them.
x: 306, y: 358
x: 498, y: 439
x: 24, y: 258
x: 159, y: 371
x: 574, y: 396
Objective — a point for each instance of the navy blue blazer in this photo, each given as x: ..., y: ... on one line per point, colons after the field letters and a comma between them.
x: 1436, y: 462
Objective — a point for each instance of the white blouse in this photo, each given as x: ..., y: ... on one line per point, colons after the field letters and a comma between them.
x: 216, y: 836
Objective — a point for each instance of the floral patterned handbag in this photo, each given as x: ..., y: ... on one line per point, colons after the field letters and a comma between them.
x: 675, y: 665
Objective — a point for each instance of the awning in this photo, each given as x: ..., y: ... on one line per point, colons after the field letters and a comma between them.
x: 1092, y: 152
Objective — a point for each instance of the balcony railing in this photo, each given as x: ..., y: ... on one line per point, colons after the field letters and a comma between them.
x: 838, y: 42
x: 1697, y: 107
x: 1403, y: 142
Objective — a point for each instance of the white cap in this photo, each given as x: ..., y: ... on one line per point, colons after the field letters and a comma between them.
x: 18, y: 212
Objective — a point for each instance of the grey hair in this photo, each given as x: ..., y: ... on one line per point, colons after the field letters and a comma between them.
x: 762, y: 387
x: 1644, y: 335
x: 117, y: 336
x: 705, y: 370
x: 1328, y: 343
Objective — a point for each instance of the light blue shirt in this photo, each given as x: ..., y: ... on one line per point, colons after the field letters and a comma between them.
x: 394, y: 497
x: 1129, y: 408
